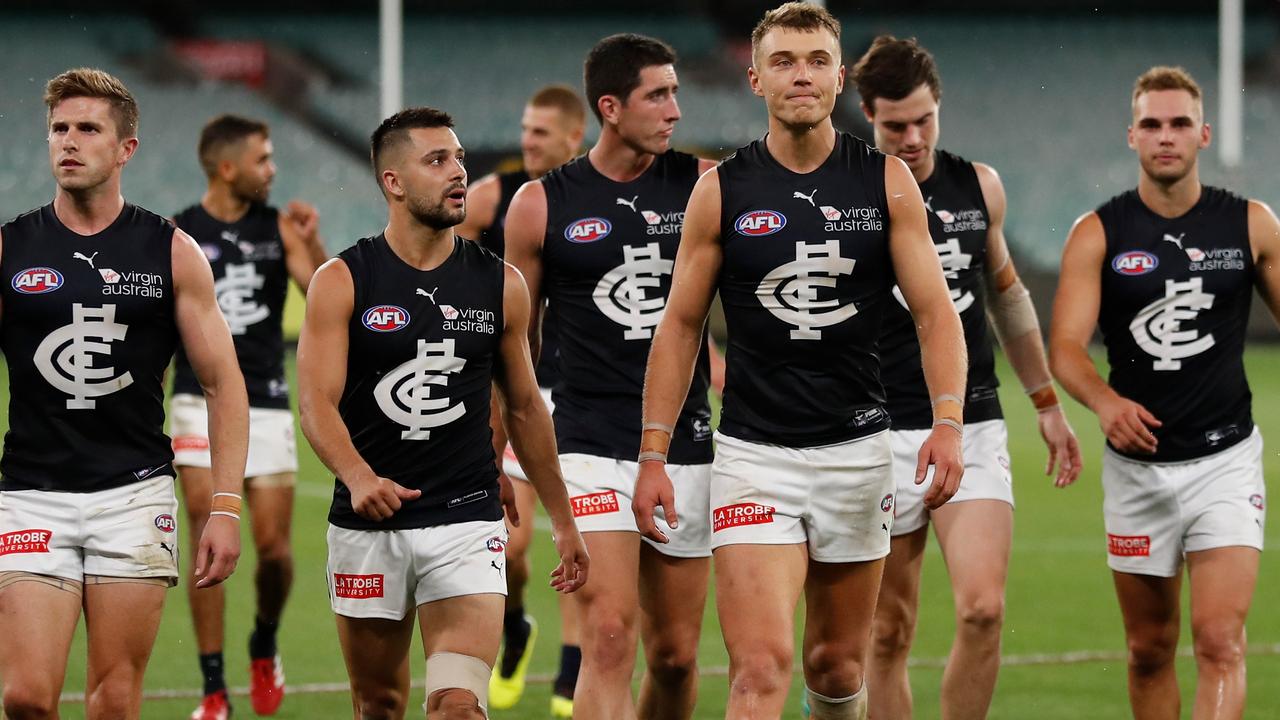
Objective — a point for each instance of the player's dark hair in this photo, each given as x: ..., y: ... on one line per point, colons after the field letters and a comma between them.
x: 892, y: 69
x: 395, y: 130
x: 222, y: 132
x: 613, y: 66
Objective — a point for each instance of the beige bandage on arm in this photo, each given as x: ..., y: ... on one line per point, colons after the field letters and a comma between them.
x: 1010, y: 309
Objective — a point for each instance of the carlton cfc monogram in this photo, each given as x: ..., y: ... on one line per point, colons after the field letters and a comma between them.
x: 65, y: 357
x: 790, y: 291
x: 621, y: 295
x: 235, y: 293
x: 405, y: 394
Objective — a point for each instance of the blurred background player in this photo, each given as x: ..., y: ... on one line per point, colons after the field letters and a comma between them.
x: 1167, y: 272
x: 395, y: 383
x: 802, y: 234
x: 597, y: 237
x: 900, y: 90
x: 86, y: 500
x: 551, y: 133
x: 254, y: 249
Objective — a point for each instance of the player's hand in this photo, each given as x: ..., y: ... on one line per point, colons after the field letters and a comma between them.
x: 1064, y: 448
x: 304, y: 218
x: 942, y: 450
x: 507, y: 494
x: 1127, y: 424
x: 654, y: 490
x: 571, y: 573
x: 378, y: 498
x: 218, y: 552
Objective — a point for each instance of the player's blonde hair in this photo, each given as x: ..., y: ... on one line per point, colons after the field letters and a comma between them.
x: 802, y: 16
x: 95, y: 83
x: 1166, y: 77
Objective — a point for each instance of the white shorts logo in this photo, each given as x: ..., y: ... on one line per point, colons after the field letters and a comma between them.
x: 235, y: 297
x: 621, y: 293
x: 953, y: 261
x: 404, y: 394
x: 65, y: 356
x: 1157, y: 328
x: 790, y: 291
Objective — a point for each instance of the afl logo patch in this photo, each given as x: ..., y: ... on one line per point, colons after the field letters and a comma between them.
x: 211, y: 252
x: 385, y: 318
x: 588, y: 230
x: 495, y: 544
x: 37, y: 280
x: 1135, y: 262
x: 760, y: 222
x: 886, y: 504
x: 1256, y: 501
x: 166, y: 523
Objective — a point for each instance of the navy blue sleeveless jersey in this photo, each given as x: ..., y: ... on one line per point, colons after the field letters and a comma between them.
x: 958, y: 223
x: 607, y: 259
x: 419, y: 368
x: 250, y: 282
x: 1175, y: 304
x: 88, y: 330
x: 493, y: 238
x: 805, y: 279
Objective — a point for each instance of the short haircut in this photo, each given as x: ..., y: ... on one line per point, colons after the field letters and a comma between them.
x: 613, y: 66
x: 562, y: 98
x: 93, y: 83
x: 1165, y: 77
x: 395, y: 131
x: 892, y: 69
x: 222, y: 132
x: 801, y: 16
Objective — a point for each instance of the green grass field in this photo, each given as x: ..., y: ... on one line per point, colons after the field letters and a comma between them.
x: 1062, y: 636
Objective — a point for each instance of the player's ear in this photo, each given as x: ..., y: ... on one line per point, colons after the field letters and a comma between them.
x: 391, y: 186
x: 1206, y: 135
x: 610, y: 107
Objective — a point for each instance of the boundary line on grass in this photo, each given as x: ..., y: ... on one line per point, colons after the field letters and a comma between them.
x: 1076, y: 657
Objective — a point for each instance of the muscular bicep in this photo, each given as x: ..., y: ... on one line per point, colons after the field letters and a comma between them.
x: 524, y: 229
x: 202, y: 329
x: 1264, y: 238
x: 1079, y: 295
x: 1000, y: 272
x: 482, y: 206
x: 915, y: 261
x: 323, y: 342
x: 693, y: 282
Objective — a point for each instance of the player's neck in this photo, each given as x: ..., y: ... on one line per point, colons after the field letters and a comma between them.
x: 615, y: 159
x: 90, y: 211
x: 925, y: 171
x: 801, y: 149
x: 1170, y: 200
x: 223, y: 205
x: 418, y: 245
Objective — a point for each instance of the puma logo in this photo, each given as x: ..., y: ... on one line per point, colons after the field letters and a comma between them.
x: 797, y: 195
x: 928, y: 203
x: 80, y: 256
x: 496, y: 566
x: 629, y: 203
x: 1175, y: 240
x: 429, y: 295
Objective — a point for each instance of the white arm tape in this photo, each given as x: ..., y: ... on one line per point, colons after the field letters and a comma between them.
x: 448, y: 671
x: 1012, y: 313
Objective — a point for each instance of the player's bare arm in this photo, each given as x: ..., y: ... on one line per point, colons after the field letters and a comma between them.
x: 1126, y: 423
x: 942, y: 348
x: 529, y: 424
x: 676, y: 343
x: 1264, y: 238
x: 207, y: 340
x: 526, y: 225
x: 322, y: 375
x: 1013, y: 317
x: 304, y: 250
x: 482, y: 207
